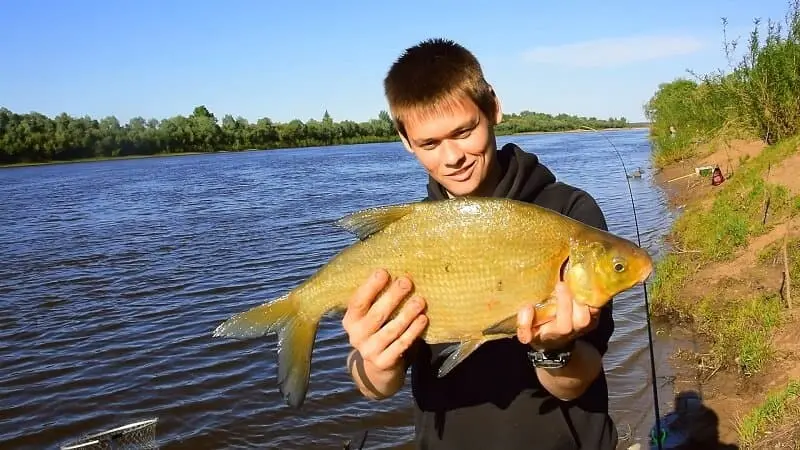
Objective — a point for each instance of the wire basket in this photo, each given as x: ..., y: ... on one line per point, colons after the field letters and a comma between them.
x: 133, y: 436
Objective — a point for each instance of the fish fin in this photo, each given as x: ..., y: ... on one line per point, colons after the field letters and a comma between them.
x: 296, y: 335
x: 543, y: 312
x: 369, y: 221
x: 506, y: 326
x: 458, y: 353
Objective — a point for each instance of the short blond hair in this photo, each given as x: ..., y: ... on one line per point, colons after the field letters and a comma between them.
x: 431, y: 77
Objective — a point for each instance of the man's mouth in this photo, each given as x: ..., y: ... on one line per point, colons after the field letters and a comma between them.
x: 463, y: 173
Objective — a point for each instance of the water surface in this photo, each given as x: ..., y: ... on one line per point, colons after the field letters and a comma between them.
x: 116, y: 272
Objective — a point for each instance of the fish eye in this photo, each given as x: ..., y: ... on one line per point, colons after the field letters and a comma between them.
x: 619, y: 267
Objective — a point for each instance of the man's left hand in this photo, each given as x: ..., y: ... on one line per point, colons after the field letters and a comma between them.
x: 571, y: 321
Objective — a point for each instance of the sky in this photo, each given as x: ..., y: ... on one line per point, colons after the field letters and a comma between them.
x: 294, y: 60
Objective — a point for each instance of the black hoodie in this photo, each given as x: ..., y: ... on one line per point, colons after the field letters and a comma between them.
x: 493, y: 399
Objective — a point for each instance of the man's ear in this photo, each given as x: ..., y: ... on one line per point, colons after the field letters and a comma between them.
x: 498, y: 111
x: 405, y: 143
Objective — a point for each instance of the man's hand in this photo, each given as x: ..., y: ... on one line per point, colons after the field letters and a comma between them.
x: 571, y: 321
x: 376, y: 363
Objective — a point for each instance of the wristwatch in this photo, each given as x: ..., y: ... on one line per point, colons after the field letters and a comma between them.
x: 551, y: 359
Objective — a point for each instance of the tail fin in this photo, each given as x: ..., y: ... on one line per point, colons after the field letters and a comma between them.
x: 296, y: 335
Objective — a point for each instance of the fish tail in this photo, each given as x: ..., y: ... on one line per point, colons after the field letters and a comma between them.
x: 296, y: 334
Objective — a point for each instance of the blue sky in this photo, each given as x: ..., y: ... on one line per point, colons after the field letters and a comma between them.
x: 287, y: 60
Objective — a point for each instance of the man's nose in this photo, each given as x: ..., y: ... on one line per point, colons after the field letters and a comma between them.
x: 452, y: 154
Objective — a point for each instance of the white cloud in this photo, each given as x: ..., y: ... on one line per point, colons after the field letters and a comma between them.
x: 614, y: 51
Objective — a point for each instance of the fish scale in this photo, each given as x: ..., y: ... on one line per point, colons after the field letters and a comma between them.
x: 442, y: 273
x: 475, y: 261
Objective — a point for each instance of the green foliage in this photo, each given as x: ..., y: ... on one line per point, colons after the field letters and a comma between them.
x: 779, y: 408
x: 33, y: 137
x: 766, y: 82
x: 740, y: 330
x: 684, y: 113
x: 759, y: 97
x: 734, y: 216
x: 527, y: 122
x: 670, y: 276
x: 746, y: 205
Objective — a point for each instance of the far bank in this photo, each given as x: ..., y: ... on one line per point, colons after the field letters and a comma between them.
x: 375, y: 140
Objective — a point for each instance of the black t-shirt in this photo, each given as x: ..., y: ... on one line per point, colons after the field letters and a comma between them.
x: 494, y: 400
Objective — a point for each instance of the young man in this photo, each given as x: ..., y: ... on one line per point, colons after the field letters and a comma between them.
x: 546, y: 389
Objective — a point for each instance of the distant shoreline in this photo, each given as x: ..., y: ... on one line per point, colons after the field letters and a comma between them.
x: 581, y: 130
x: 164, y: 155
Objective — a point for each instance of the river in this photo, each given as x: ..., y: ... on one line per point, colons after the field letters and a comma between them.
x: 115, y: 273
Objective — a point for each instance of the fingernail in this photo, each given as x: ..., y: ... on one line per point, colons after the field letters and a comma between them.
x: 403, y: 283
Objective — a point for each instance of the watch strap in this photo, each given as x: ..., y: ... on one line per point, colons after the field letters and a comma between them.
x: 551, y: 358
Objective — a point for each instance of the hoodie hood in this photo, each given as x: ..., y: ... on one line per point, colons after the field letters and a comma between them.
x: 523, y: 178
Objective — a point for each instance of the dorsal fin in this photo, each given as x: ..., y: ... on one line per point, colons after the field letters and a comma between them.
x: 368, y: 221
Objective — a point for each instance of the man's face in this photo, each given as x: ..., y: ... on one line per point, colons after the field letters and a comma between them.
x: 457, y: 148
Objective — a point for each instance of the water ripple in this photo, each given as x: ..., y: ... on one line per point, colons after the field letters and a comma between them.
x: 117, y: 273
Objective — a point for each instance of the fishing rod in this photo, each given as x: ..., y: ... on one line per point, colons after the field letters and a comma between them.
x: 658, y: 437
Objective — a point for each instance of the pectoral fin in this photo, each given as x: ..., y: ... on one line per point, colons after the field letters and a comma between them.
x: 507, y: 326
x: 458, y: 353
x: 543, y: 312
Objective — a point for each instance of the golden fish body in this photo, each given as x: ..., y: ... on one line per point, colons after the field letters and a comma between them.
x: 475, y: 261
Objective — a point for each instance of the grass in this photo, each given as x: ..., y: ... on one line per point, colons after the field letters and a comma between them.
x: 779, y: 412
x: 758, y: 97
x: 746, y: 206
x: 740, y: 330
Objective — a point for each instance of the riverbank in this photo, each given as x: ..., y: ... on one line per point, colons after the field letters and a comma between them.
x: 723, y: 288
x: 99, y: 158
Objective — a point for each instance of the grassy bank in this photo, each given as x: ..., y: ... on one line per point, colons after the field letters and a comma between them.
x: 773, y: 422
x: 724, y: 276
x: 716, y: 230
x: 757, y: 96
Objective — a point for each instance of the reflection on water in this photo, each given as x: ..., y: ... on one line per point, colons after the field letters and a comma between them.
x: 116, y: 273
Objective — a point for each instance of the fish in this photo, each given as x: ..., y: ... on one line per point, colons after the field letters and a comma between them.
x: 475, y: 260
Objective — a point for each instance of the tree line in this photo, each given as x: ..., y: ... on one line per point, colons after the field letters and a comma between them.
x: 33, y: 137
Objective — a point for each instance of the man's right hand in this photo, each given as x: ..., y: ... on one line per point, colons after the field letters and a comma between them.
x: 378, y: 367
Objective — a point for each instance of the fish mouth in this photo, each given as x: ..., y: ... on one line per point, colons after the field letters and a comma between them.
x: 647, y: 269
